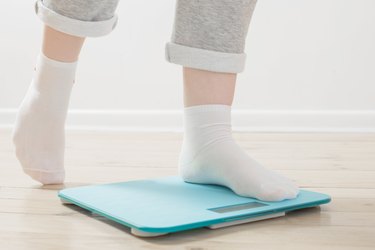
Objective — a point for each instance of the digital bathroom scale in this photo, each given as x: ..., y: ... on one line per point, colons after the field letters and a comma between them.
x: 166, y: 205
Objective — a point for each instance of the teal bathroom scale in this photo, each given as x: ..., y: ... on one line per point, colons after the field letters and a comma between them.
x: 166, y: 205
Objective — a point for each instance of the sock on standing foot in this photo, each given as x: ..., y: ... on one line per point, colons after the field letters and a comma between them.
x: 210, y: 155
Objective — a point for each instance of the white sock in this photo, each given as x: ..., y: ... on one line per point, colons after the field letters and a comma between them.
x: 39, y: 135
x: 210, y: 155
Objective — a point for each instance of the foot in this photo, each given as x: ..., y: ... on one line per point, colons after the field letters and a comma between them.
x: 210, y: 155
x: 39, y: 129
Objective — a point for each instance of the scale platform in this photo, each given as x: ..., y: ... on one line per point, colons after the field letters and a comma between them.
x: 166, y: 205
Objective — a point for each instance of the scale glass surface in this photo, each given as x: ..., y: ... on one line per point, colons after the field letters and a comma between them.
x: 166, y: 205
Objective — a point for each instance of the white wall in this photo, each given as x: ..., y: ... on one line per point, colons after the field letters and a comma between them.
x: 310, y: 67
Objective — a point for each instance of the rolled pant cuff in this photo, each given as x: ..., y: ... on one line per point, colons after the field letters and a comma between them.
x: 73, y: 26
x: 205, y: 59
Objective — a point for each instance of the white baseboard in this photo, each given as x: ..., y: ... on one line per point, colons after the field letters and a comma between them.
x: 243, y: 120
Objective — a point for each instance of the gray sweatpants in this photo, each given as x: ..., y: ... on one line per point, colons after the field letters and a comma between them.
x: 207, y: 34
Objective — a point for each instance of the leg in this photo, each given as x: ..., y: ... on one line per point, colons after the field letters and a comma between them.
x: 39, y: 129
x: 60, y: 46
x: 208, y: 87
x: 208, y: 40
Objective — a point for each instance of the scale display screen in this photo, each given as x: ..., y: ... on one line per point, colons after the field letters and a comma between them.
x: 237, y: 207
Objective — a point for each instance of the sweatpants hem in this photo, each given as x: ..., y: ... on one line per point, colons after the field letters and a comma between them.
x: 204, y: 59
x: 73, y: 26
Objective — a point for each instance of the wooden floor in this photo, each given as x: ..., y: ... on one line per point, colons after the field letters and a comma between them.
x: 342, y: 165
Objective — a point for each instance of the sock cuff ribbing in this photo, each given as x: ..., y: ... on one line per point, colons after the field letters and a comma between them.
x: 207, y: 108
x: 201, y: 115
x: 43, y: 59
x: 53, y: 76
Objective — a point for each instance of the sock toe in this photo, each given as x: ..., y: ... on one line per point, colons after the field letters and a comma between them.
x: 290, y: 194
x: 293, y: 190
x: 272, y: 192
x: 290, y: 185
x: 46, y: 178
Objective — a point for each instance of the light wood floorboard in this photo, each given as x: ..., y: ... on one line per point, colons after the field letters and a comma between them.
x: 342, y: 165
